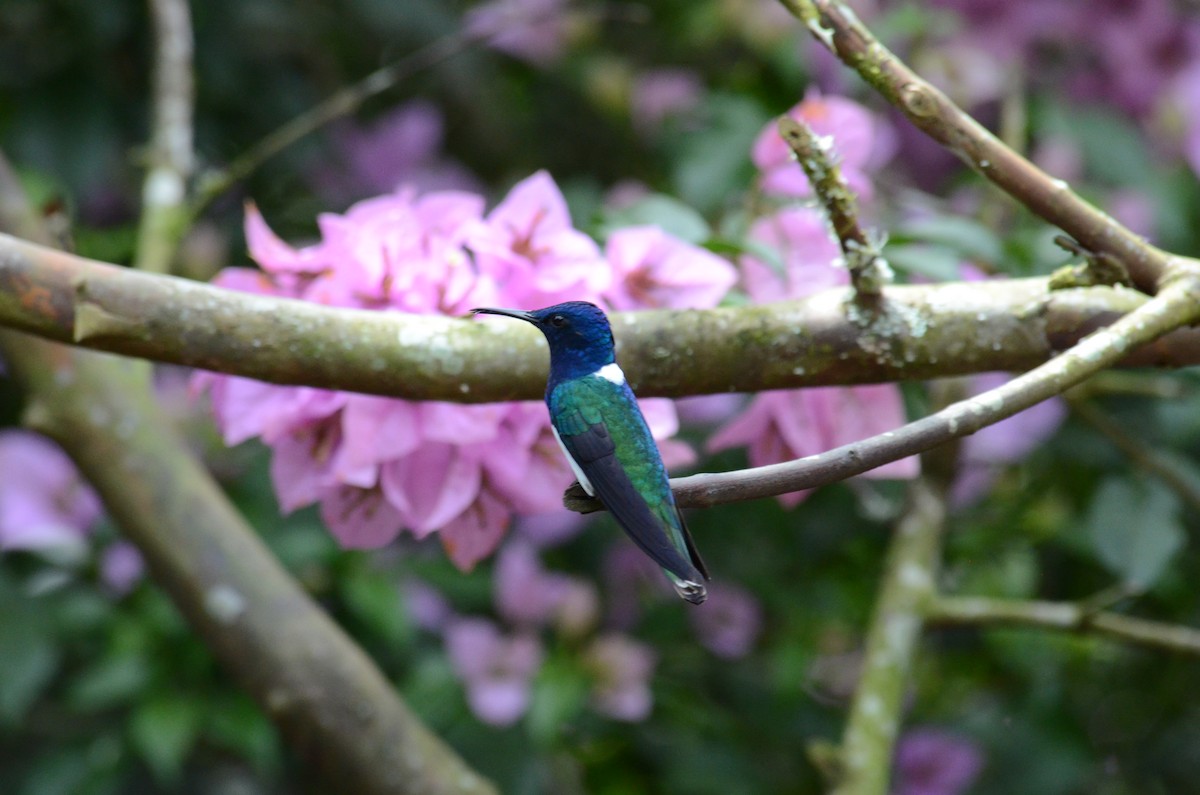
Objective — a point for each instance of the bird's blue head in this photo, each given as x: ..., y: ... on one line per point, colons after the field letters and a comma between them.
x: 581, y: 341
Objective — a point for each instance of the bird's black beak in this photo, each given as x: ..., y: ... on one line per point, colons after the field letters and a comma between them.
x: 517, y: 313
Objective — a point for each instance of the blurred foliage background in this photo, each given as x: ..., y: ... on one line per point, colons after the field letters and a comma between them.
x: 104, y: 690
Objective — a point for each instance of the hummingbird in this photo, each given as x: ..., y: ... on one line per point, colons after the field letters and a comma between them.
x: 601, y: 429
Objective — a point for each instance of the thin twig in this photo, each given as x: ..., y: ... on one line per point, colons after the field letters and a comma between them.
x: 970, y: 610
x: 171, y: 157
x: 906, y: 586
x: 347, y: 100
x: 837, y: 27
x: 341, y: 103
x: 869, y: 271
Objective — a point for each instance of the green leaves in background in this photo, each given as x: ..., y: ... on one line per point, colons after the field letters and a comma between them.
x: 1135, y: 529
x: 162, y: 730
x: 29, y: 653
x: 665, y: 212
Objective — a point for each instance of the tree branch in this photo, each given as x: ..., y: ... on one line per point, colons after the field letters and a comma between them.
x: 918, y: 332
x: 907, y: 584
x: 339, y: 104
x: 836, y: 26
x: 1176, y: 305
x: 972, y: 610
x: 164, y: 218
x: 869, y: 271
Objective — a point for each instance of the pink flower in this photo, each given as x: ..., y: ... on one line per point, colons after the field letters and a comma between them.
x: 622, y: 668
x: 43, y: 500
x: 660, y: 94
x: 629, y: 576
x: 794, y: 257
x: 860, y: 140
x: 473, y: 534
x: 377, y: 466
x: 401, y: 147
x: 496, y: 670
x: 984, y: 453
x: 728, y: 624
x: 930, y: 762
x: 529, y: 245
x: 275, y: 256
x: 552, y: 527
x: 1184, y: 103
x: 532, y: 30
x: 527, y: 595
x: 654, y: 270
x: 664, y: 423
x: 121, y: 567
x: 786, y: 425
x: 426, y: 606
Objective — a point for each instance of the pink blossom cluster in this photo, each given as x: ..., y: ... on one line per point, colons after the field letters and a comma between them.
x: 497, y: 660
x: 46, y: 504
x: 935, y: 762
x: 796, y: 256
x: 377, y: 465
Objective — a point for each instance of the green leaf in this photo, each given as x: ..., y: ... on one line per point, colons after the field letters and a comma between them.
x: 665, y: 212
x: 163, y: 731
x: 962, y: 236
x: 29, y: 658
x: 715, y: 161
x: 933, y: 262
x: 1011, y: 571
x: 558, y: 697
x: 113, y: 680
x: 374, y: 600
x: 1135, y: 530
x: 237, y: 724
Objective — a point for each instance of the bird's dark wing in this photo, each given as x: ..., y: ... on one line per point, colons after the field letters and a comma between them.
x: 592, y: 448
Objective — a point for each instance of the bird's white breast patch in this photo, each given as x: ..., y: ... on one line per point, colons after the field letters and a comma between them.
x: 611, y: 372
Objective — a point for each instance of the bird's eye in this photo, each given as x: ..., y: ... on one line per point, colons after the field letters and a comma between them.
x: 558, y: 321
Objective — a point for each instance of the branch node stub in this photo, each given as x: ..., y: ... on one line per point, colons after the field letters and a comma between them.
x: 918, y: 100
x: 93, y: 321
x: 1099, y: 268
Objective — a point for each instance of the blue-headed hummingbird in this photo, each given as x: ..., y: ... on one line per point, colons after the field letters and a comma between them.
x: 599, y: 426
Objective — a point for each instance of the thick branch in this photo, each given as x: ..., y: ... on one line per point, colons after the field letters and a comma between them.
x: 918, y: 332
x: 836, y: 26
x: 171, y: 158
x: 908, y: 580
x: 970, y: 610
x: 332, y: 704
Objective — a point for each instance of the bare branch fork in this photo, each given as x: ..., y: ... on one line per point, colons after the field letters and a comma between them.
x: 838, y: 28
x: 925, y: 331
x: 869, y: 271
